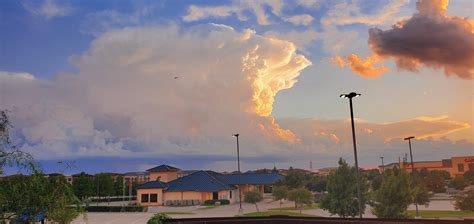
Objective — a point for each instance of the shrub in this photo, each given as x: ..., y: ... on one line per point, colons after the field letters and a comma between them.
x: 116, y: 209
x: 465, y: 201
x: 458, y: 183
x: 158, y: 218
x: 213, y: 202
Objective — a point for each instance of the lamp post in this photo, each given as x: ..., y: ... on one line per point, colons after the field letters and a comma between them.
x: 238, y: 175
x: 350, y: 96
x: 412, y: 166
x: 383, y: 167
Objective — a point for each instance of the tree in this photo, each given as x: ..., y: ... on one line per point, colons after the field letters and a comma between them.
x: 301, y: 197
x: 341, y: 197
x: 29, y: 196
x: 158, y: 218
x: 83, y: 186
x: 469, y: 176
x: 280, y: 193
x: 458, y: 183
x: 9, y: 155
x: 104, y: 183
x: 118, y: 186
x: 253, y: 197
x: 465, y: 201
x: 420, y: 192
x: 394, y: 196
x: 435, y: 181
x: 63, y: 205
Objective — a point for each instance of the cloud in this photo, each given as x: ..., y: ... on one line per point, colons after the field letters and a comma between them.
x: 303, y: 19
x: 364, y: 68
x: 309, y: 3
x: 48, y: 8
x: 125, y: 100
x: 302, y: 39
x: 430, y: 38
x: 239, y: 8
x: 350, y: 13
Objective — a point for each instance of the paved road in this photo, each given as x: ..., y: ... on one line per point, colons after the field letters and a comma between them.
x: 220, y: 211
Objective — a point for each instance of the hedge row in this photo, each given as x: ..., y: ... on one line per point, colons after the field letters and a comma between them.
x: 116, y: 209
x: 213, y: 202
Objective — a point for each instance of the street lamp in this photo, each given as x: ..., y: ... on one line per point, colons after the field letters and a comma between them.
x: 350, y: 96
x: 383, y: 167
x: 412, y: 166
x: 238, y: 175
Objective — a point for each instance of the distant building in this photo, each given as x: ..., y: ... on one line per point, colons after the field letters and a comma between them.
x: 455, y: 166
x: 326, y: 171
x: 136, y: 177
x: 196, y: 187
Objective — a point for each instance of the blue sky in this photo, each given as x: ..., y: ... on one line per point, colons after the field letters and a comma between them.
x: 66, y: 46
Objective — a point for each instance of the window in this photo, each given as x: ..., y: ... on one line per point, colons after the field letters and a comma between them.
x: 215, y: 195
x: 144, y: 198
x: 230, y: 194
x: 471, y: 166
x: 153, y: 197
x: 461, y: 167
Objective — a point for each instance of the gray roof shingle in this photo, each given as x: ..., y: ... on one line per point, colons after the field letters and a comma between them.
x: 162, y: 168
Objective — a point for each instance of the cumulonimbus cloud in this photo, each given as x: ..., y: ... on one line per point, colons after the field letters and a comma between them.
x: 156, y: 90
x: 430, y: 38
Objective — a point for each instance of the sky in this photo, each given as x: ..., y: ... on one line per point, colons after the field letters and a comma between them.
x: 126, y: 85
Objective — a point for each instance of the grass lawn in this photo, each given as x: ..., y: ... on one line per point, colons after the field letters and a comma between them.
x: 441, y: 214
x: 306, y: 207
x: 269, y: 213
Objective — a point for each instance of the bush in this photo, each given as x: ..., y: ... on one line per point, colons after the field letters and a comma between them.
x: 458, y: 183
x: 213, y: 202
x: 465, y: 201
x: 158, y: 218
x: 116, y: 209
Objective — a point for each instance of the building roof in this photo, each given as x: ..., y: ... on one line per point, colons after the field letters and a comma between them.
x: 201, y: 181
x: 251, y: 178
x: 162, y: 168
x: 152, y: 185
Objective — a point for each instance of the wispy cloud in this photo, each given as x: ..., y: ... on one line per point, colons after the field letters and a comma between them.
x: 47, y: 8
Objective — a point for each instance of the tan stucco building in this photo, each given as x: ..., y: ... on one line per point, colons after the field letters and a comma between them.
x: 455, y: 166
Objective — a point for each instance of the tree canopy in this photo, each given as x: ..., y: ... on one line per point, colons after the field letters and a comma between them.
x: 394, y: 196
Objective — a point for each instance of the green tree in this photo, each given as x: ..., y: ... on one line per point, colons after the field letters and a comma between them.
x: 341, y: 197
x: 465, y: 201
x: 280, y: 193
x: 118, y: 186
x: 301, y: 196
x: 104, y: 183
x: 63, y: 205
x: 435, y: 181
x: 83, y: 186
x: 9, y: 155
x: 253, y: 197
x: 394, y: 196
x: 458, y: 183
x: 469, y: 176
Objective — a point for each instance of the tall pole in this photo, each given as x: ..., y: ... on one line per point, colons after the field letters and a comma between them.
x: 412, y: 168
x: 350, y: 96
x: 238, y: 175
x: 356, y: 161
x: 383, y: 166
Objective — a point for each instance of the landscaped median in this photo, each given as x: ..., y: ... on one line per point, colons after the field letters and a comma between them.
x: 306, y: 207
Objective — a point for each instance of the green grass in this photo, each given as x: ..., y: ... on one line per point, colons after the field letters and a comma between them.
x: 306, y: 207
x: 441, y: 214
x: 269, y: 213
x: 177, y: 213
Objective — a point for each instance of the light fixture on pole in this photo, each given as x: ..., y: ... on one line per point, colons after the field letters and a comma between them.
x: 238, y: 175
x: 350, y: 96
x: 412, y: 166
